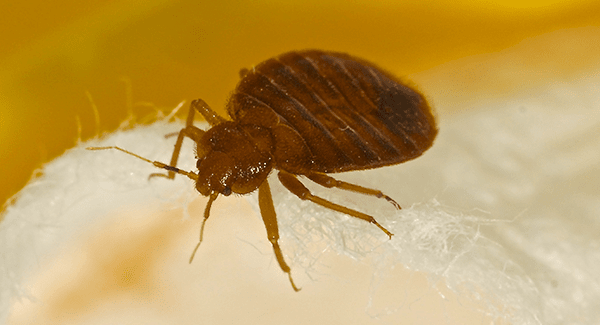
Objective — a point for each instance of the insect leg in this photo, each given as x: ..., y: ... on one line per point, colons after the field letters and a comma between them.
x: 295, y: 186
x: 211, y: 199
x: 330, y: 182
x: 191, y: 132
x: 267, y: 210
x: 211, y: 116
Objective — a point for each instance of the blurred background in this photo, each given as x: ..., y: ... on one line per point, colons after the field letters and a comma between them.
x: 66, y: 65
x: 59, y: 59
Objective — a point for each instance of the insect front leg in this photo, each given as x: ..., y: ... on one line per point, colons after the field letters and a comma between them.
x: 191, y: 132
x: 295, y: 186
x: 267, y: 210
x: 330, y: 182
x: 211, y: 116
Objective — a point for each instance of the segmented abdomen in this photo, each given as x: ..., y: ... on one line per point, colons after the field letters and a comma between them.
x: 351, y: 114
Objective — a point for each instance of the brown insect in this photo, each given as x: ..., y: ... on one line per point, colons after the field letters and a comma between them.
x: 307, y: 113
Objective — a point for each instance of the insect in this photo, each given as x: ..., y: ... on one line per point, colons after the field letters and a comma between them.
x: 307, y: 113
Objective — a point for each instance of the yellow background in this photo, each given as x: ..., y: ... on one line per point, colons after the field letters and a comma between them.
x: 129, y: 54
x: 53, y: 53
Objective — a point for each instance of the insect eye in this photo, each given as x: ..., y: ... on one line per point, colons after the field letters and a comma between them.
x: 227, y: 191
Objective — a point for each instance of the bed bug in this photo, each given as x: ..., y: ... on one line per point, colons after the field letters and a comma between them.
x: 307, y: 113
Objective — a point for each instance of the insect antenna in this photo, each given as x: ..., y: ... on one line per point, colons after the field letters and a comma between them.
x: 158, y: 164
x: 191, y: 175
x: 211, y: 199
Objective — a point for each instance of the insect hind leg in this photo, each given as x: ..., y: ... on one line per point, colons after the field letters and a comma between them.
x: 329, y: 182
x: 297, y: 188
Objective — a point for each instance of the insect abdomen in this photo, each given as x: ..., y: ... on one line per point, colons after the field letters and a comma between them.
x: 350, y: 114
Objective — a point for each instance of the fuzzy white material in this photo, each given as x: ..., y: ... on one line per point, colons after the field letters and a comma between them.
x: 504, y: 210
